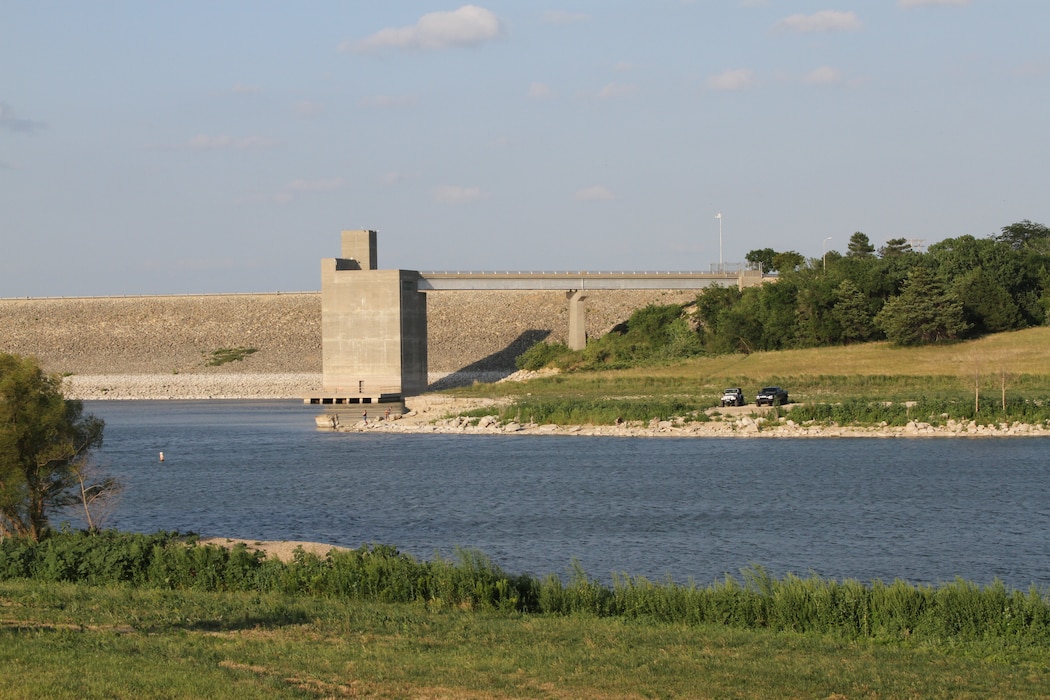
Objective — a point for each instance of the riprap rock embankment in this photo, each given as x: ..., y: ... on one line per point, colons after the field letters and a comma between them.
x: 159, y: 346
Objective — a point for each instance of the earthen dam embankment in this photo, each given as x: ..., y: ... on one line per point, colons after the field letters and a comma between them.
x: 160, y: 346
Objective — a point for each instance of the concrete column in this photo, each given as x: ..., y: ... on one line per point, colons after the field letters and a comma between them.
x: 577, y: 319
x: 360, y: 246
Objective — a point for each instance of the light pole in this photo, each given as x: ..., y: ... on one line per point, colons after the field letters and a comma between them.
x: 824, y: 253
x: 719, y: 217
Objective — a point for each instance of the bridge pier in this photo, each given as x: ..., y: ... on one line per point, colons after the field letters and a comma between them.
x: 577, y: 319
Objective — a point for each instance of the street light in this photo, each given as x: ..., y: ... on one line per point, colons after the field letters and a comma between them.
x: 824, y: 253
x: 719, y: 217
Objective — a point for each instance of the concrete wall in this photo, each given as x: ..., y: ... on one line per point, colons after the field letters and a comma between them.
x: 373, y: 325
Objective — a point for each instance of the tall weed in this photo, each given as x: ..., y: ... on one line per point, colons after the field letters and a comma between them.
x: 850, y: 609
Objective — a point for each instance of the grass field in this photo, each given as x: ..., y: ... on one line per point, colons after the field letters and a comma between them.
x: 62, y: 640
x: 67, y: 641
x: 1014, y: 367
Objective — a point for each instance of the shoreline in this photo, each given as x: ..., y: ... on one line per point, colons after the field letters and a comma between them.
x: 742, y: 428
x: 429, y: 413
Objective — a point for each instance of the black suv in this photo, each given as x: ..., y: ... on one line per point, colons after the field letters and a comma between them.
x: 771, y: 396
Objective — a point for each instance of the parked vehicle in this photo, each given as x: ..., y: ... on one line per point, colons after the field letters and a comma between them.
x: 771, y: 396
x: 733, y: 397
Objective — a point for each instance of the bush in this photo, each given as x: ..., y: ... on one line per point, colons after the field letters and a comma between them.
x: 850, y: 609
x: 540, y: 355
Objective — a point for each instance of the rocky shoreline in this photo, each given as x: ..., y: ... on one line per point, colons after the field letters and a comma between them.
x: 433, y: 414
x: 743, y: 428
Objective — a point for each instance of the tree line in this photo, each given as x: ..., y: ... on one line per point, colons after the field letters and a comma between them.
x: 958, y: 288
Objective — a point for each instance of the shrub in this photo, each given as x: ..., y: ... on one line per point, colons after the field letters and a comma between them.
x: 540, y: 355
x: 223, y: 355
x: 850, y: 609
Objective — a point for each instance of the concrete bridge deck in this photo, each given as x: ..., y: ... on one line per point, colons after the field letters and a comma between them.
x: 570, y: 281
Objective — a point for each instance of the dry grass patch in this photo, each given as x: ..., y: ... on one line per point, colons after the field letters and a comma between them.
x: 1020, y: 352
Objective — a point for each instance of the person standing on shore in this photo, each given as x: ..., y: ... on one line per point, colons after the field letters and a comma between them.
x: 364, y: 417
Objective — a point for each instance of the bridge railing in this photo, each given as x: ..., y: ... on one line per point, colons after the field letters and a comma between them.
x: 571, y: 273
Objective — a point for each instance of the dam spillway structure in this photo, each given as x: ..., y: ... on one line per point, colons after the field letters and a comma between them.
x: 373, y: 328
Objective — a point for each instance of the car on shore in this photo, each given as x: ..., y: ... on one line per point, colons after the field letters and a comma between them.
x: 771, y: 396
x: 733, y: 396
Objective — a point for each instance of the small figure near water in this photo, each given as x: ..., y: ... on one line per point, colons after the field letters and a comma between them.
x: 364, y: 417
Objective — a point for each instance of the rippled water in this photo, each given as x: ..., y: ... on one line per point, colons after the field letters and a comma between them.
x: 924, y: 510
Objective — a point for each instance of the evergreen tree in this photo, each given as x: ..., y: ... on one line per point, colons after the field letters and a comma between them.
x: 851, y: 311
x: 924, y: 312
x: 988, y: 306
x: 895, y: 247
x: 860, y: 246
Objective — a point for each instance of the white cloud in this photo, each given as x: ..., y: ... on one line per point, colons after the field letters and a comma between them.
x: 392, y: 178
x: 614, y: 91
x: 470, y: 25
x: 733, y: 79
x: 594, y: 193
x: 456, y: 194
x: 562, y: 17
x: 540, y: 91
x: 823, y: 21
x: 388, y: 101
x: 241, y: 89
x: 825, y: 75
x: 932, y: 3
x: 223, y: 143
x: 10, y: 122
x: 623, y: 66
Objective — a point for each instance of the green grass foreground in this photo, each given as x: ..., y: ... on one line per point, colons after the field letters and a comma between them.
x: 119, y: 615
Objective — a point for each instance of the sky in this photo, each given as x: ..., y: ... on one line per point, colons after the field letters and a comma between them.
x: 213, y: 147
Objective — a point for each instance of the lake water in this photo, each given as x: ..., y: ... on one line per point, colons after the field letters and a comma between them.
x: 923, y: 510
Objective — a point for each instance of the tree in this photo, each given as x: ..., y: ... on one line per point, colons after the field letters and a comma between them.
x: 763, y: 257
x: 851, y: 311
x: 45, y: 444
x: 770, y: 260
x: 1026, y: 235
x: 987, y: 304
x: 895, y: 247
x: 788, y: 261
x: 924, y: 312
x: 860, y: 246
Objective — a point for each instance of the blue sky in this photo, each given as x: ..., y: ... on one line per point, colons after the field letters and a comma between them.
x: 200, y: 147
